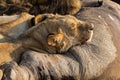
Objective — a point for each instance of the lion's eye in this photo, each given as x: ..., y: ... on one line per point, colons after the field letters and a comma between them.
x: 50, y: 34
x: 91, y: 29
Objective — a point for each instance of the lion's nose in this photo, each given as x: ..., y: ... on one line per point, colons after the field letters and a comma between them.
x: 92, y: 26
x: 90, y: 30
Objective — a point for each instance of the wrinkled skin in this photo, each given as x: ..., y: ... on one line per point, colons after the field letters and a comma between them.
x: 98, y: 60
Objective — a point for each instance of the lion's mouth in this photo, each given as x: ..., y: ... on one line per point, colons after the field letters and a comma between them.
x: 90, y: 37
x: 90, y: 33
x: 87, y: 39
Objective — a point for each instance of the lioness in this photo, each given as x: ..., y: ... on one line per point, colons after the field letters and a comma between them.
x: 56, y: 34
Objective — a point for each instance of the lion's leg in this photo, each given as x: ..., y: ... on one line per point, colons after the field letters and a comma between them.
x: 56, y: 39
x: 10, y: 25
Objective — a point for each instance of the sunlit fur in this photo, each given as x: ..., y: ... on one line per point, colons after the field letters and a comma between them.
x: 13, y: 27
x: 60, y: 31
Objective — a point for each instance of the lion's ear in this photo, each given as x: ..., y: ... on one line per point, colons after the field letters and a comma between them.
x: 37, y: 19
x: 40, y: 18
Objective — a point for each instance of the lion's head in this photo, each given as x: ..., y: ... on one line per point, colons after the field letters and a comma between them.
x: 56, y: 33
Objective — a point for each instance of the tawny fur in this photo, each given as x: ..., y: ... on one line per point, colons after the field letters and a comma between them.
x: 38, y: 37
x: 73, y: 30
x: 12, y: 29
x: 35, y: 7
x: 56, y: 6
x: 98, y: 60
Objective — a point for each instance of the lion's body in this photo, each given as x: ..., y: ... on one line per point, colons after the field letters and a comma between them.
x: 11, y: 29
x: 6, y: 19
x: 56, y: 6
x: 6, y: 49
x: 98, y: 60
x: 35, y: 7
x: 66, y: 6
